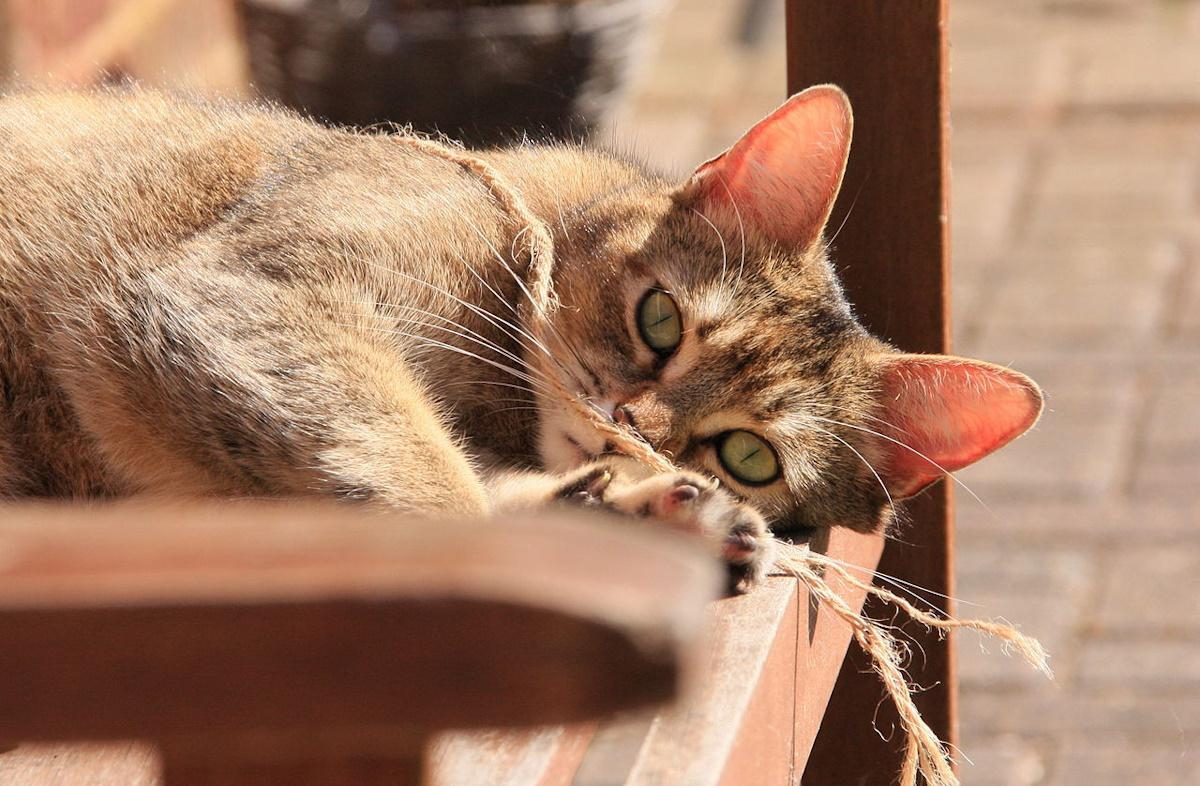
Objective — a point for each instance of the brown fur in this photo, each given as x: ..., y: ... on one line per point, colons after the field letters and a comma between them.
x: 223, y: 300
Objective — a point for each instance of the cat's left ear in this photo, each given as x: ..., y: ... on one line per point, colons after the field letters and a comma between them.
x: 943, y: 413
x: 782, y: 177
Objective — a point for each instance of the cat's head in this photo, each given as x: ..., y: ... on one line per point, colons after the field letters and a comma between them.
x: 708, y: 317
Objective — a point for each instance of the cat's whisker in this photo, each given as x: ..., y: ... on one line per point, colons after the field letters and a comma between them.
x: 538, y: 307
x: 467, y: 353
x: 853, y: 411
x: 862, y: 458
x: 561, y: 221
x: 903, y: 585
x: 845, y: 218
x: 474, y: 382
x: 459, y: 350
x: 724, y: 252
x: 513, y: 409
x: 494, y: 319
x: 483, y: 342
x: 476, y: 335
x: 469, y: 335
x: 737, y: 211
x: 912, y: 450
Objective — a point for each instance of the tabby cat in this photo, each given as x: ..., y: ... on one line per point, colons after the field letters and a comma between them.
x: 204, y: 299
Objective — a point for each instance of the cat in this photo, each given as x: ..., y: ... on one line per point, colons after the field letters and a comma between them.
x: 220, y: 299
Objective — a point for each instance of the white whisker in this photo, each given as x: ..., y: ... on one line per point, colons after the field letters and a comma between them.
x: 724, y: 253
x: 911, y: 449
x: 863, y: 459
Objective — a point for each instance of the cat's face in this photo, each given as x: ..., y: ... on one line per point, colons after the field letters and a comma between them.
x: 708, y: 318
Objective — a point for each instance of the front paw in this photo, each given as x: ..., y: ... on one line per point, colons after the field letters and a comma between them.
x: 587, y: 488
x: 692, y: 503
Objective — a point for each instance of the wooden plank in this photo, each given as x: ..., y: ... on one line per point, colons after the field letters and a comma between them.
x: 738, y: 719
x: 338, y: 771
x: 110, y: 764
x: 773, y: 659
x: 892, y: 253
x: 824, y: 643
x: 124, y: 622
x: 548, y: 756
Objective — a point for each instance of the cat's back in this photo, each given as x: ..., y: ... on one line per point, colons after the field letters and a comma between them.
x: 102, y: 172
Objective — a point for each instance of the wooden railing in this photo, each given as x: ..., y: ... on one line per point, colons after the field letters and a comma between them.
x: 256, y: 645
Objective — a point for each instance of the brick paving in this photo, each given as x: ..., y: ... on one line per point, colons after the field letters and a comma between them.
x: 1076, y: 228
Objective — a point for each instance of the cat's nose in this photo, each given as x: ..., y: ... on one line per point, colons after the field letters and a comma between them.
x: 647, y: 415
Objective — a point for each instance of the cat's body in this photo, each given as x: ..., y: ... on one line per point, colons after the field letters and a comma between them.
x: 220, y: 300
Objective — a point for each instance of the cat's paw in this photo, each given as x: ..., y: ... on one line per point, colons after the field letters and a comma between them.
x: 686, y: 501
x: 695, y: 504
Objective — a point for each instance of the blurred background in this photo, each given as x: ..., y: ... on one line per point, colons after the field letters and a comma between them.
x: 1076, y: 225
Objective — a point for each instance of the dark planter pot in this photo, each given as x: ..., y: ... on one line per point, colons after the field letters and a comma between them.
x: 483, y: 72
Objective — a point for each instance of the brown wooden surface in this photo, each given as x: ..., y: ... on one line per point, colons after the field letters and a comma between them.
x: 548, y: 756
x: 890, y: 57
x: 772, y: 661
x: 80, y: 764
x: 349, y: 771
x: 267, y: 636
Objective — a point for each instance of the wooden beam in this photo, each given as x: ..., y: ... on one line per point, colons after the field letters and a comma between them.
x: 892, y: 251
x: 251, y: 641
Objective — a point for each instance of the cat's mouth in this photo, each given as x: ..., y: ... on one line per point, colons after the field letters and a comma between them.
x: 584, y: 455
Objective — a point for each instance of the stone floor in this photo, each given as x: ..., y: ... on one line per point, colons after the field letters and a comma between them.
x: 1076, y: 226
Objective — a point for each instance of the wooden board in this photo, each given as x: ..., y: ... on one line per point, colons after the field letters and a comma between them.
x: 294, y: 633
x: 890, y: 57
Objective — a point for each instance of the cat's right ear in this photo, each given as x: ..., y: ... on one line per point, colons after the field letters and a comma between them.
x: 942, y: 413
x: 782, y: 177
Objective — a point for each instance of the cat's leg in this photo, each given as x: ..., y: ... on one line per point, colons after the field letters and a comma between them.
x: 683, y: 500
x: 228, y: 387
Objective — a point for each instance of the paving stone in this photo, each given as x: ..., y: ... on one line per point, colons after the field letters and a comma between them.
x: 1001, y: 761
x: 1141, y: 662
x: 1115, y: 523
x: 1184, y: 319
x: 1169, y: 452
x: 1079, y: 448
x: 1055, y: 710
x: 1165, y: 605
x: 1044, y: 591
x: 1002, y: 61
x: 669, y: 141
x: 1097, y: 296
x: 1157, y: 66
x: 989, y: 164
x: 1088, y: 761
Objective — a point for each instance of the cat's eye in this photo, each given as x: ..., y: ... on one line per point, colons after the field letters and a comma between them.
x: 748, y: 458
x: 659, y: 322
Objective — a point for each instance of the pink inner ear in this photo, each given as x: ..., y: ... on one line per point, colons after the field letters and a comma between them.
x: 783, y: 175
x: 953, y: 412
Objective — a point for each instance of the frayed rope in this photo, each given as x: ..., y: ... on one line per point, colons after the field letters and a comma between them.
x: 924, y: 753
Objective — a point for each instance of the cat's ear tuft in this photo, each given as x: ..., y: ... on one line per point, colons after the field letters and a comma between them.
x: 782, y: 177
x: 944, y: 413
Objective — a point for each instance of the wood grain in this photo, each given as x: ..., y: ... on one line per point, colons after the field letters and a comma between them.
x: 890, y: 57
x: 277, y: 635
x: 109, y: 764
x: 547, y: 756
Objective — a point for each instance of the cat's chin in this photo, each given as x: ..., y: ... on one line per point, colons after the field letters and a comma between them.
x: 561, y: 451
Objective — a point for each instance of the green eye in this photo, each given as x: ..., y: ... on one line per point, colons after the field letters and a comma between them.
x: 659, y: 322
x: 748, y: 458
